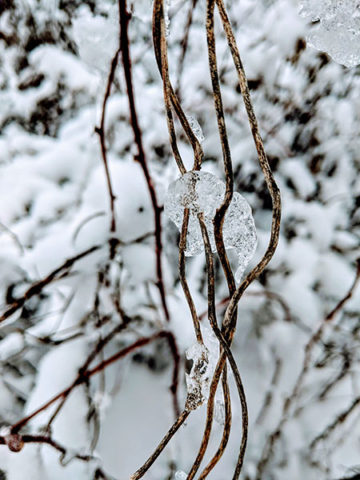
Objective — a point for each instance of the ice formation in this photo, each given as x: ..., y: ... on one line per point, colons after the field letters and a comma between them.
x: 195, y: 126
x: 203, y: 192
x: 180, y: 475
x: 199, y: 379
x: 204, y: 356
x: 219, y: 410
x: 338, y: 29
x: 167, y: 18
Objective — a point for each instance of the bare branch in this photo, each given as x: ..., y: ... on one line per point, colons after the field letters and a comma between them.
x: 37, y: 287
x: 101, y: 132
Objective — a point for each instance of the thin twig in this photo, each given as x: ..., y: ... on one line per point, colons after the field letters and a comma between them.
x: 266, y: 293
x: 160, y: 48
x: 140, y: 157
x: 169, y: 435
x: 338, y: 420
x: 41, y: 439
x: 101, y: 132
x: 85, y: 375
x: 216, y: 377
x: 182, y: 275
x: 184, y: 45
x: 37, y: 287
x: 268, y: 450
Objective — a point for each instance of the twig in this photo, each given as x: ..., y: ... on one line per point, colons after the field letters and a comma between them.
x: 266, y: 293
x: 15, y: 443
x: 172, y: 431
x: 221, y: 367
x: 268, y: 450
x: 37, y: 287
x: 140, y: 157
x: 265, y: 167
x: 182, y: 275
x: 338, y: 420
x: 184, y: 45
x: 101, y: 132
x: 85, y: 375
x: 160, y: 49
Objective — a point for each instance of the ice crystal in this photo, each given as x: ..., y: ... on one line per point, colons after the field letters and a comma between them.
x: 204, y: 356
x: 195, y: 126
x: 179, y: 475
x: 202, y: 192
x: 198, y: 381
x: 167, y: 18
x: 338, y: 28
x: 219, y: 410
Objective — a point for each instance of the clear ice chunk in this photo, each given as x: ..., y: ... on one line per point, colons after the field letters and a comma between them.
x: 180, y: 475
x: 199, y: 378
x: 338, y: 30
x: 219, y: 410
x: 195, y: 126
x: 204, y: 356
x: 167, y: 18
x: 203, y: 192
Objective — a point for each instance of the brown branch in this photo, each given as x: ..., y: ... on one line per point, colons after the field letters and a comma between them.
x: 160, y: 49
x: 37, y: 287
x: 140, y: 157
x: 85, y: 375
x: 230, y: 317
x: 101, y: 132
x: 169, y: 435
x: 16, y: 442
x: 182, y: 275
x: 266, y: 293
x: 216, y: 377
x: 229, y: 177
x: 338, y: 420
x: 184, y: 45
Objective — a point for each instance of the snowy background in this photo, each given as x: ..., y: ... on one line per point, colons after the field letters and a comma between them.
x: 54, y: 204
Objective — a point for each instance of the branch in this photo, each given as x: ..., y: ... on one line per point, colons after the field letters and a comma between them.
x: 37, y: 287
x: 268, y: 450
x: 101, y: 132
x: 16, y: 442
x: 126, y: 61
x: 85, y: 375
